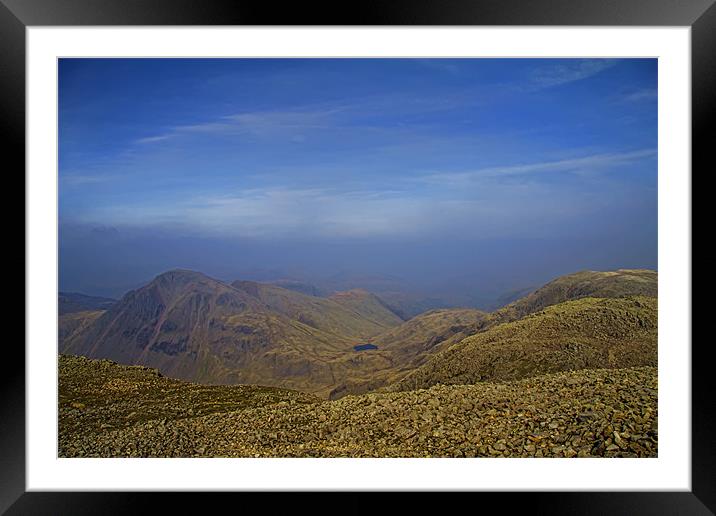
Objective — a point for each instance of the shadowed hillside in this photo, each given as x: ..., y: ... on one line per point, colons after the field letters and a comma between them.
x: 74, y: 323
x: 412, y: 342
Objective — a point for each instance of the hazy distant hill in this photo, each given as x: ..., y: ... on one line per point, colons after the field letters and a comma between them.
x: 299, y: 286
x: 69, y: 302
x: 589, y: 333
x: 359, y: 319
x: 74, y: 323
x: 408, y: 305
x: 368, y: 306
x: 512, y: 296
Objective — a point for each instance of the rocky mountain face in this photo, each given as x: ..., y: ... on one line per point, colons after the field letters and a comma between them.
x: 168, y: 323
x: 194, y: 327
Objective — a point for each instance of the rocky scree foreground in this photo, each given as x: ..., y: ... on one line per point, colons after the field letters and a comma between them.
x: 108, y: 410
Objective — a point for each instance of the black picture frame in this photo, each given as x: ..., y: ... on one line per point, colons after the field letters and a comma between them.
x: 17, y: 15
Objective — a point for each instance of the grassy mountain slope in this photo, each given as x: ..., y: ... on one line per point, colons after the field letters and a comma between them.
x: 437, y: 329
x: 619, y: 283
x: 586, y: 333
x: 413, y: 343
x: 107, y: 410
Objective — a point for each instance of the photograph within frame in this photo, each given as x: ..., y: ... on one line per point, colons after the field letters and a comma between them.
x: 310, y: 186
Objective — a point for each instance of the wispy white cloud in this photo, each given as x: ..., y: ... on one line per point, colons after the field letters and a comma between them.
x: 258, y: 123
x: 74, y: 179
x: 547, y: 76
x: 583, y: 164
x: 291, y: 212
x: 153, y: 139
x: 328, y: 213
x: 640, y: 95
x: 295, y: 124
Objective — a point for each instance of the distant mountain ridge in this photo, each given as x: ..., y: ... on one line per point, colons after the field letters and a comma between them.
x: 197, y: 328
x: 71, y: 302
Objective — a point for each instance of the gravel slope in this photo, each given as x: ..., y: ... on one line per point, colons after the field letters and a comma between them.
x: 107, y: 410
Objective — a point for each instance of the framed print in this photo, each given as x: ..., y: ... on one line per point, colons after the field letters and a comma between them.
x: 410, y: 249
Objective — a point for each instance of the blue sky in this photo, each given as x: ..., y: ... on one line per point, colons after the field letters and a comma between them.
x: 388, y: 156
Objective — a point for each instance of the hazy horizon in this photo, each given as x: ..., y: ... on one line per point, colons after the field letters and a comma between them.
x: 458, y: 179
